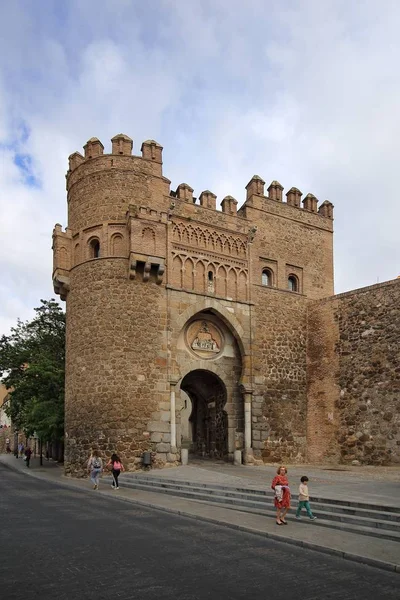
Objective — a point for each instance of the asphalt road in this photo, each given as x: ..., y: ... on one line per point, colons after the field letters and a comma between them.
x: 61, y: 543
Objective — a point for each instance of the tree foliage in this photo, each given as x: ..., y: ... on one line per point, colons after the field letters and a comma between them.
x: 32, y: 365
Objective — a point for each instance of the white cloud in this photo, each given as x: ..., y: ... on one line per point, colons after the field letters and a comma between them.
x: 306, y: 92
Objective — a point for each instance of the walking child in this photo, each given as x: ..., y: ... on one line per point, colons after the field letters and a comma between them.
x: 304, y: 499
x: 116, y: 468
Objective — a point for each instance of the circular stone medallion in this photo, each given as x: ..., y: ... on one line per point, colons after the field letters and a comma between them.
x: 204, y: 339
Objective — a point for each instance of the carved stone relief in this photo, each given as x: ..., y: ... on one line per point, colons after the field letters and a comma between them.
x: 204, y: 339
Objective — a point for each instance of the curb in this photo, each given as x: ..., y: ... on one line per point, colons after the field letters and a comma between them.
x: 293, y: 542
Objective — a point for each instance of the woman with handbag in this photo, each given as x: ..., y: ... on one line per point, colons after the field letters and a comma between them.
x: 280, y: 485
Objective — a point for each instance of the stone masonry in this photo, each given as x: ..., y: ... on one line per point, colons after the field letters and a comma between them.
x: 354, y: 376
x: 214, y: 331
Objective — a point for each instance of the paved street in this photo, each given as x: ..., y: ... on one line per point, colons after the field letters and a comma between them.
x: 66, y: 543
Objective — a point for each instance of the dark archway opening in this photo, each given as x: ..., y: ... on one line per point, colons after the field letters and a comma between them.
x: 208, y: 420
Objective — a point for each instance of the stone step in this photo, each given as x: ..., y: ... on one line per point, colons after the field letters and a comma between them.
x: 375, y: 527
x: 321, y: 522
x: 344, y: 507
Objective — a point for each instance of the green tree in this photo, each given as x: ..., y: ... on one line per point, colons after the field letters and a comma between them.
x: 32, y: 365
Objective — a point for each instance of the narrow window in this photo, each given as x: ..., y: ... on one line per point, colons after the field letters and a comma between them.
x: 94, y: 248
x: 293, y: 283
x: 266, y: 277
x: 210, y: 286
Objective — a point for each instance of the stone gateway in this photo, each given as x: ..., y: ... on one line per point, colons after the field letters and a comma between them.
x: 215, y: 331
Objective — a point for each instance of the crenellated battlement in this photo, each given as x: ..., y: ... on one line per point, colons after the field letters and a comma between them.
x: 121, y: 150
x: 121, y: 146
x: 255, y: 187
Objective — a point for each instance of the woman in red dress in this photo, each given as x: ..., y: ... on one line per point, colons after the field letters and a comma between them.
x: 280, y: 485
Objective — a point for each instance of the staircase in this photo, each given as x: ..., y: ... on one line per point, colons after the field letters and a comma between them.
x: 362, y: 518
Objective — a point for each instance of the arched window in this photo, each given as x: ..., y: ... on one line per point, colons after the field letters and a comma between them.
x: 266, y: 277
x: 293, y: 283
x: 94, y: 248
x: 117, y: 245
x: 210, y: 277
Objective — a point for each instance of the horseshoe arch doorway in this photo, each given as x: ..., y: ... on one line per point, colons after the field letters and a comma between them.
x: 208, y: 421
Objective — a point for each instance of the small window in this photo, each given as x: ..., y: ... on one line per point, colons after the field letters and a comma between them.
x: 293, y: 283
x: 266, y: 277
x: 210, y: 277
x: 94, y: 248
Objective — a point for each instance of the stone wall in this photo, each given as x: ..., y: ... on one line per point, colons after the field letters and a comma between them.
x: 279, y: 372
x: 115, y: 363
x: 354, y: 389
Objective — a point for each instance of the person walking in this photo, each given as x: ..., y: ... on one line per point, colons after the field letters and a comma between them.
x: 28, y: 454
x: 280, y: 485
x: 304, y: 499
x: 116, y: 467
x: 21, y: 449
x: 95, y: 467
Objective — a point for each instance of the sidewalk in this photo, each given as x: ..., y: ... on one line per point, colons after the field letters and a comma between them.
x: 361, y: 482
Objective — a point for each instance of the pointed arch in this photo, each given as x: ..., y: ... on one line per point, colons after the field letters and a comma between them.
x: 185, y: 236
x: 200, y: 277
x: 210, y: 278
x: 176, y: 232
x: 191, y: 234
x: 215, y: 307
x: 63, y: 258
x: 224, y: 244
x: 188, y: 274
x: 242, y: 286
x: 77, y: 253
x: 234, y: 248
x: 221, y: 281
x: 202, y: 241
x: 241, y: 247
x: 177, y: 270
x: 232, y: 284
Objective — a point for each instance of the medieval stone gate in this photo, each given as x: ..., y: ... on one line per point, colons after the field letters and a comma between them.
x: 210, y: 404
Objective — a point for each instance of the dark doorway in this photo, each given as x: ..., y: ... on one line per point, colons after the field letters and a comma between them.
x: 208, y: 421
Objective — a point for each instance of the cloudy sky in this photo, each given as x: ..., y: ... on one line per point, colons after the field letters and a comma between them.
x: 303, y: 91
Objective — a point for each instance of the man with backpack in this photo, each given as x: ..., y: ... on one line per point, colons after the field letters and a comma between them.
x: 95, y: 467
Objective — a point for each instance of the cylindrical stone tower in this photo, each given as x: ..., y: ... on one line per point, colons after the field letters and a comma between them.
x: 115, y: 348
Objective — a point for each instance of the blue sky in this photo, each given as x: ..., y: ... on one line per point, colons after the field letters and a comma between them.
x: 306, y: 92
